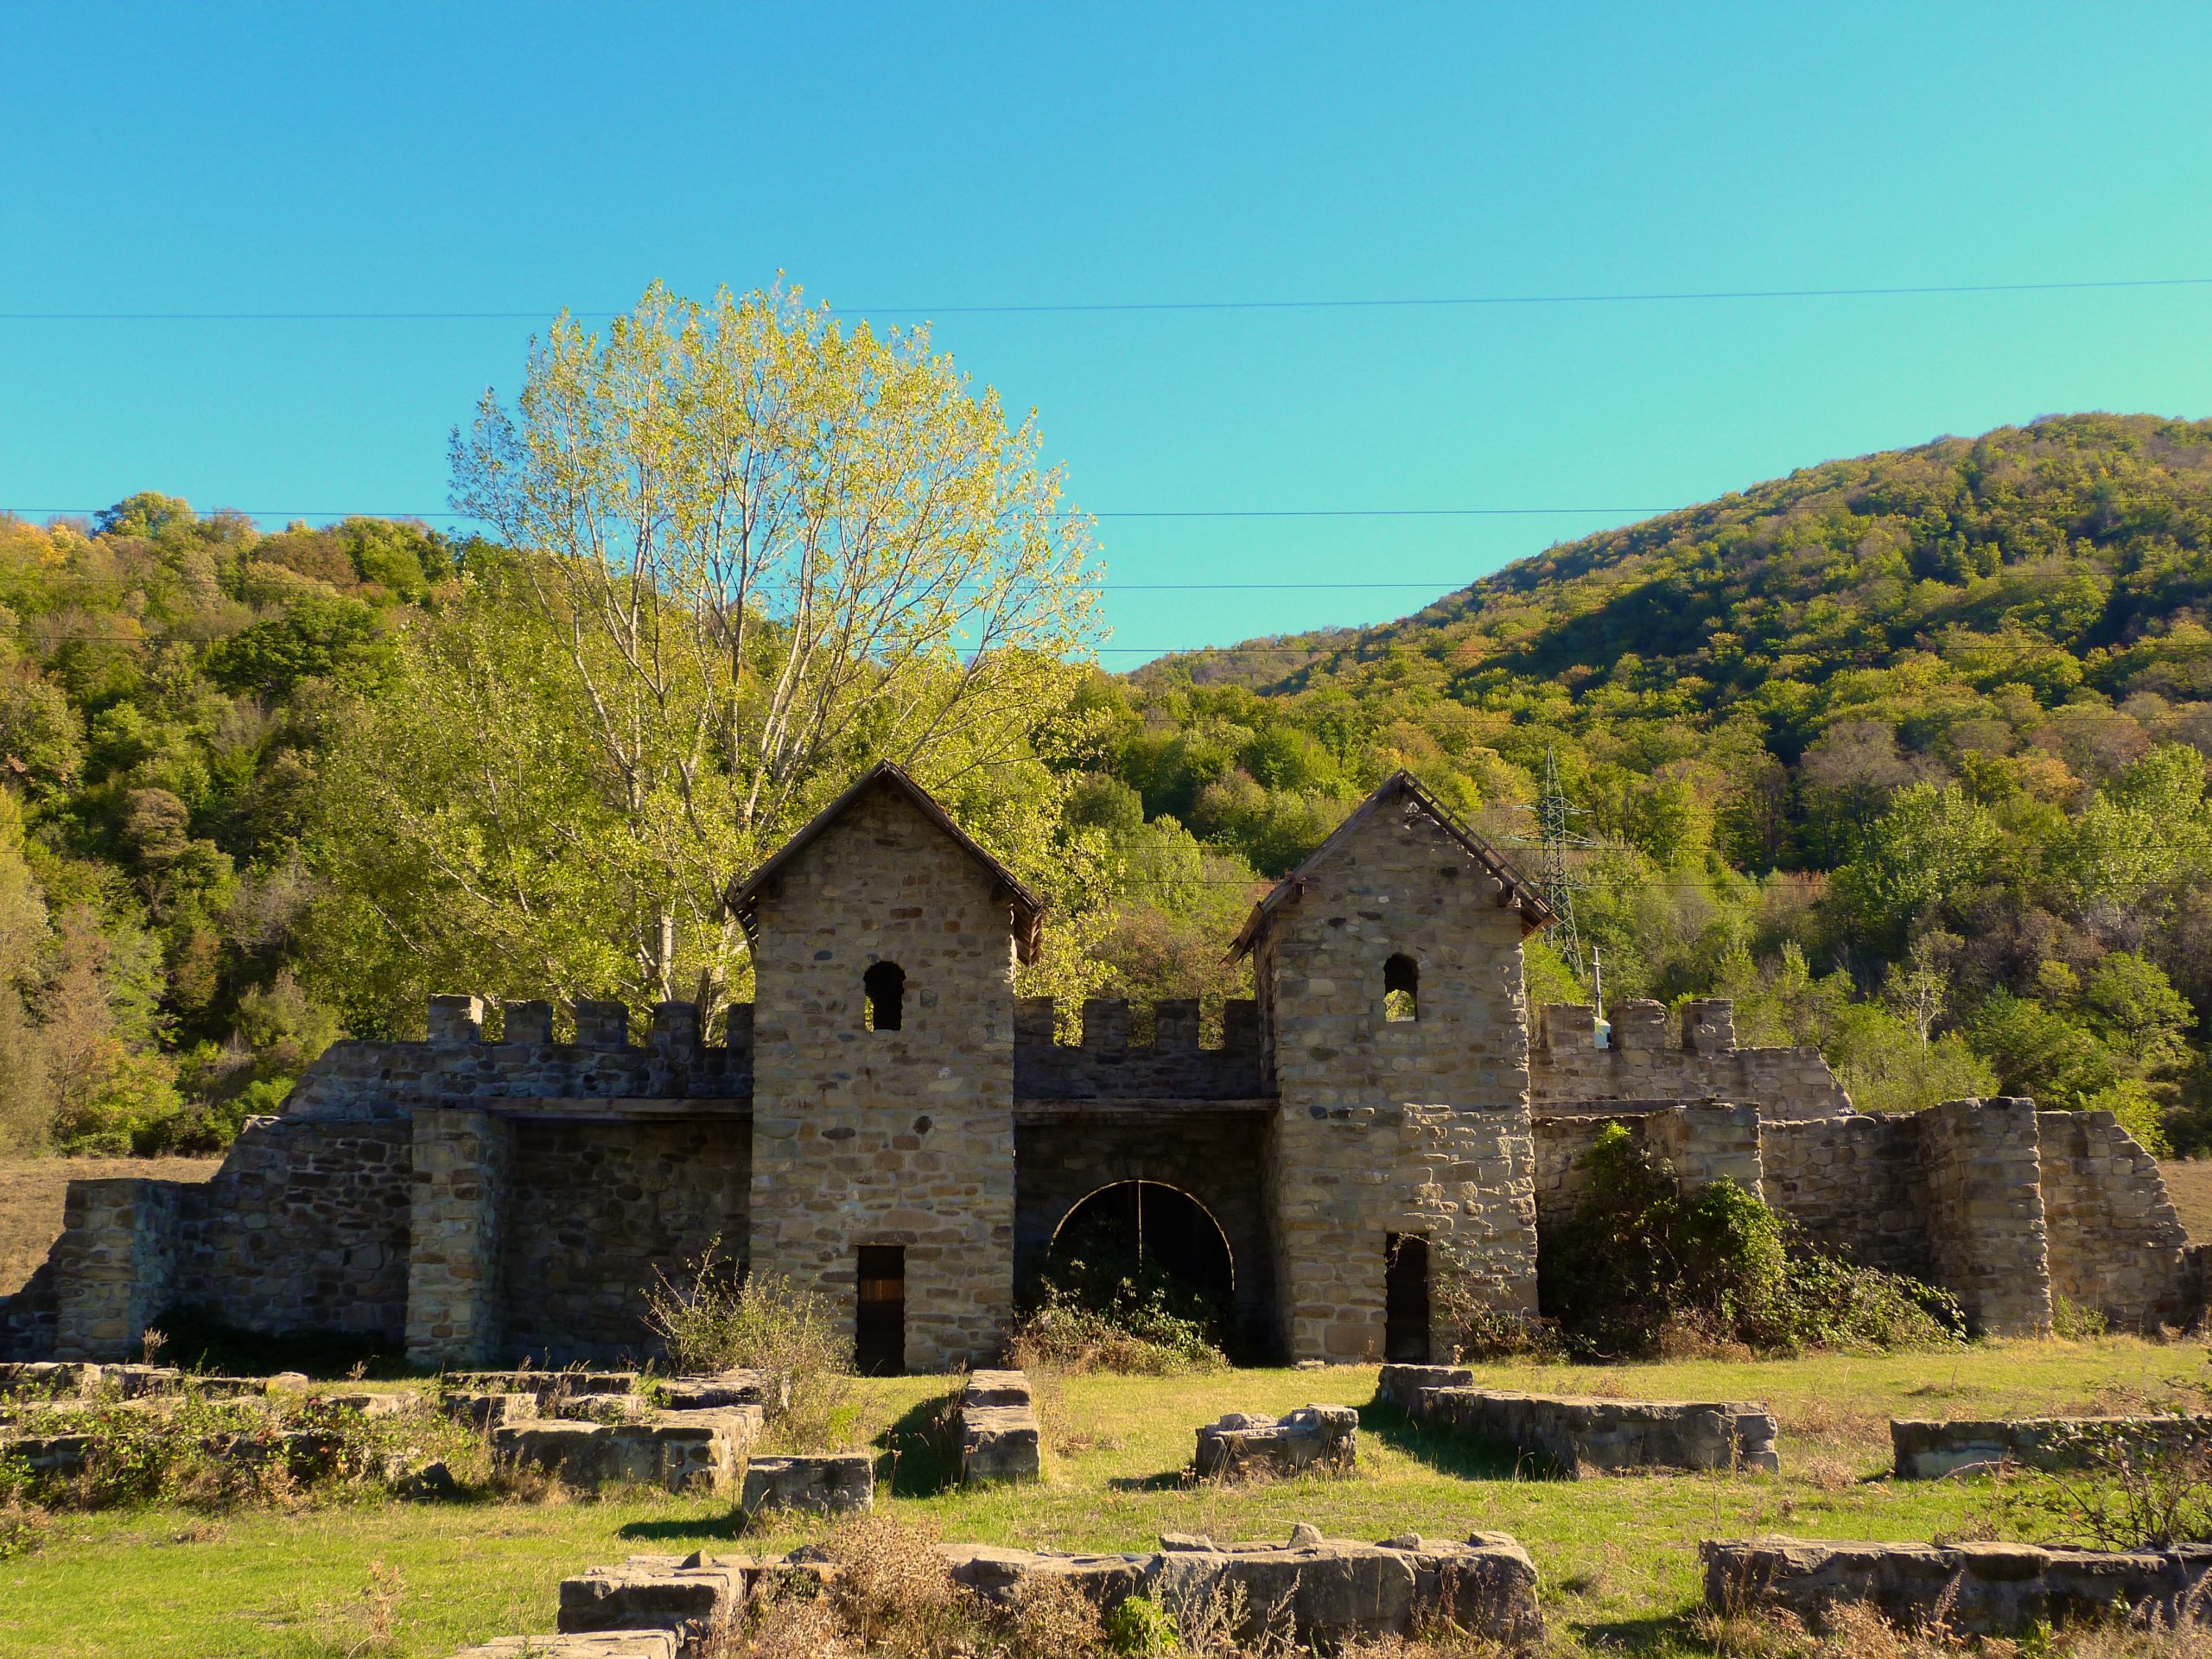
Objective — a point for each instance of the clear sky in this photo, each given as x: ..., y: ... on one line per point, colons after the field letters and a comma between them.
x: 450, y: 158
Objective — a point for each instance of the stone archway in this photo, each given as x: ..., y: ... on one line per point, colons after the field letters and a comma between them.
x: 1156, y: 1226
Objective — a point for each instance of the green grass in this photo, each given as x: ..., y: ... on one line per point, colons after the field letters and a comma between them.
x: 1617, y: 1556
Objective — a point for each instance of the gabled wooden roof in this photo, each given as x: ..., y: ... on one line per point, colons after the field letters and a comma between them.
x: 1028, y: 911
x: 1514, y: 888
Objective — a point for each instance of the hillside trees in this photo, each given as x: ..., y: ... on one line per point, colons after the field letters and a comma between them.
x: 743, y: 551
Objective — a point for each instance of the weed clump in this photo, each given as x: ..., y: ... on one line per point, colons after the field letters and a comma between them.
x: 718, y: 1318
x: 1133, y: 1334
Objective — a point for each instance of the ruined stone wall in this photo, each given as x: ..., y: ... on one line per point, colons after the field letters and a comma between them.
x: 303, y: 1228
x: 596, y: 1209
x: 462, y: 1160
x: 1218, y: 1158
x: 2117, y: 1247
x: 1568, y: 1073
x: 118, y: 1265
x: 1704, y: 1142
x: 1419, y: 1126
x: 1855, y: 1185
x: 1986, y: 1240
x: 888, y: 1137
x: 1106, y: 1065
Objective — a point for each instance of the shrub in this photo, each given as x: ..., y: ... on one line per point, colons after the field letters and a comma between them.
x: 721, y: 1318
x: 1638, y: 1259
x: 1139, y: 1337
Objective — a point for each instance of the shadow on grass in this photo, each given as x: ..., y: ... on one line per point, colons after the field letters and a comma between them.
x: 1667, y: 1633
x: 717, y: 1528
x: 923, y: 1448
x: 1448, y: 1452
x: 1173, y: 1480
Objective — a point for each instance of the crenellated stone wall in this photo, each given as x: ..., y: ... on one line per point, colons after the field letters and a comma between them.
x: 1106, y: 1065
x: 1570, y: 1074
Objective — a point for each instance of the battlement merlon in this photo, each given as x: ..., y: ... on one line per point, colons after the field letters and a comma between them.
x: 1105, y: 1064
x: 1568, y: 1071
x: 455, y: 1061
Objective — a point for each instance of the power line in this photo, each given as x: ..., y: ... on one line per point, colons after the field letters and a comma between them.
x: 1160, y: 512
x: 1109, y: 306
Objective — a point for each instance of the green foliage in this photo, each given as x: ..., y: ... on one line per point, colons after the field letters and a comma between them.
x: 1139, y: 1627
x: 718, y: 1318
x: 1128, y: 1332
x: 1640, y: 1265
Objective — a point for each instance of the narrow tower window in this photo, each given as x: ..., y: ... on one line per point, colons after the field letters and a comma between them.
x: 1402, y: 988
x: 886, y: 985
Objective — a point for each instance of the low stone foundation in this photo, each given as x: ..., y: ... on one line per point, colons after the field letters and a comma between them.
x: 1929, y: 1451
x: 610, y: 1644
x: 828, y: 1483
x: 1584, y: 1434
x: 1981, y: 1589
x: 999, y: 1436
x: 1324, y: 1591
x: 1320, y: 1438
x: 682, y: 1450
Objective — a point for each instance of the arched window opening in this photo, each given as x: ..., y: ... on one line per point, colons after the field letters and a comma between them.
x: 1402, y: 988
x: 886, y: 985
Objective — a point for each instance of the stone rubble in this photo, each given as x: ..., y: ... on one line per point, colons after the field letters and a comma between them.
x: 1928, y: 1450
x: 1322, y: 1439
x: 822, y: 1482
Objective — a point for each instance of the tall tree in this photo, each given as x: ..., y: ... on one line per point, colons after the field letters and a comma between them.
x: 744, y: 551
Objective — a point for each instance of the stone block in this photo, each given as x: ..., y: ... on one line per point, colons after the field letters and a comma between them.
x: 484, y: 1410
x: 831, y: 1482
x: 1926, y: 1450
x: 734, y: 1388
x: 684, y: 1451
x: 1978, y: 1589
x: 1324, y: 1439
x: 1402, y: 1386
x: 694, y: 1598
x: 1580, y: 1435
x: 456, y: 1019
x: 604, y: 1644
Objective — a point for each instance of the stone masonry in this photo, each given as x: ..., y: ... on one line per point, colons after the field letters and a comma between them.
x: 510, y: 1186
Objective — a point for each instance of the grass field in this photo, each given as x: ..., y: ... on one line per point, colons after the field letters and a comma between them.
x: 1617, y: 1556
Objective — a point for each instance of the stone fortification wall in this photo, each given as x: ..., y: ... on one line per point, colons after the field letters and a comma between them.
x: 1106, y: 1065
x: 1855, y: 1185
x: 2117, y: 1246
x: 1985, y: 1237
x: 304, y: 1228
x: 1569, y: 1074
x: 382, y: 1079
x: 899, y: 1137
x: 1415, y: 1126
x: 1705, y: 1141
x: 595, y: 1210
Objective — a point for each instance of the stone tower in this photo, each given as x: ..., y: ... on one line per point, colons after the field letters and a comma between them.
x: 1388, y: 972
x: 885, y: 943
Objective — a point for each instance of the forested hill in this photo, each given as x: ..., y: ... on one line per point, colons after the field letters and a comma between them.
x: 2069, y: 553
x: 1906, y: 754
x: 1905, y: 751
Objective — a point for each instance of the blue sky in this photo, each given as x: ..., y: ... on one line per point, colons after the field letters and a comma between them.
x: 519, y: 159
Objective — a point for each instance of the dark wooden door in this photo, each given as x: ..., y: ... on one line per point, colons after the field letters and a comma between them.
x: 880, y: 1321
x: 1405, y: 1300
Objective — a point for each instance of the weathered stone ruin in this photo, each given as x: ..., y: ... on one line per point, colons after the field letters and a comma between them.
x: 1929, y: 1450
x: 1579, y: 1434
x: 812, y: 1483
x: 1000, y: 1437
x: 888, y: 1124
x: 1975, y: 1589
x: 1320, y: 1440
x: 1321, y: 1591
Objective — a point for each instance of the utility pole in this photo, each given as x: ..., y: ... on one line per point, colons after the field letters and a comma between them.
x: 1555, y: 819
